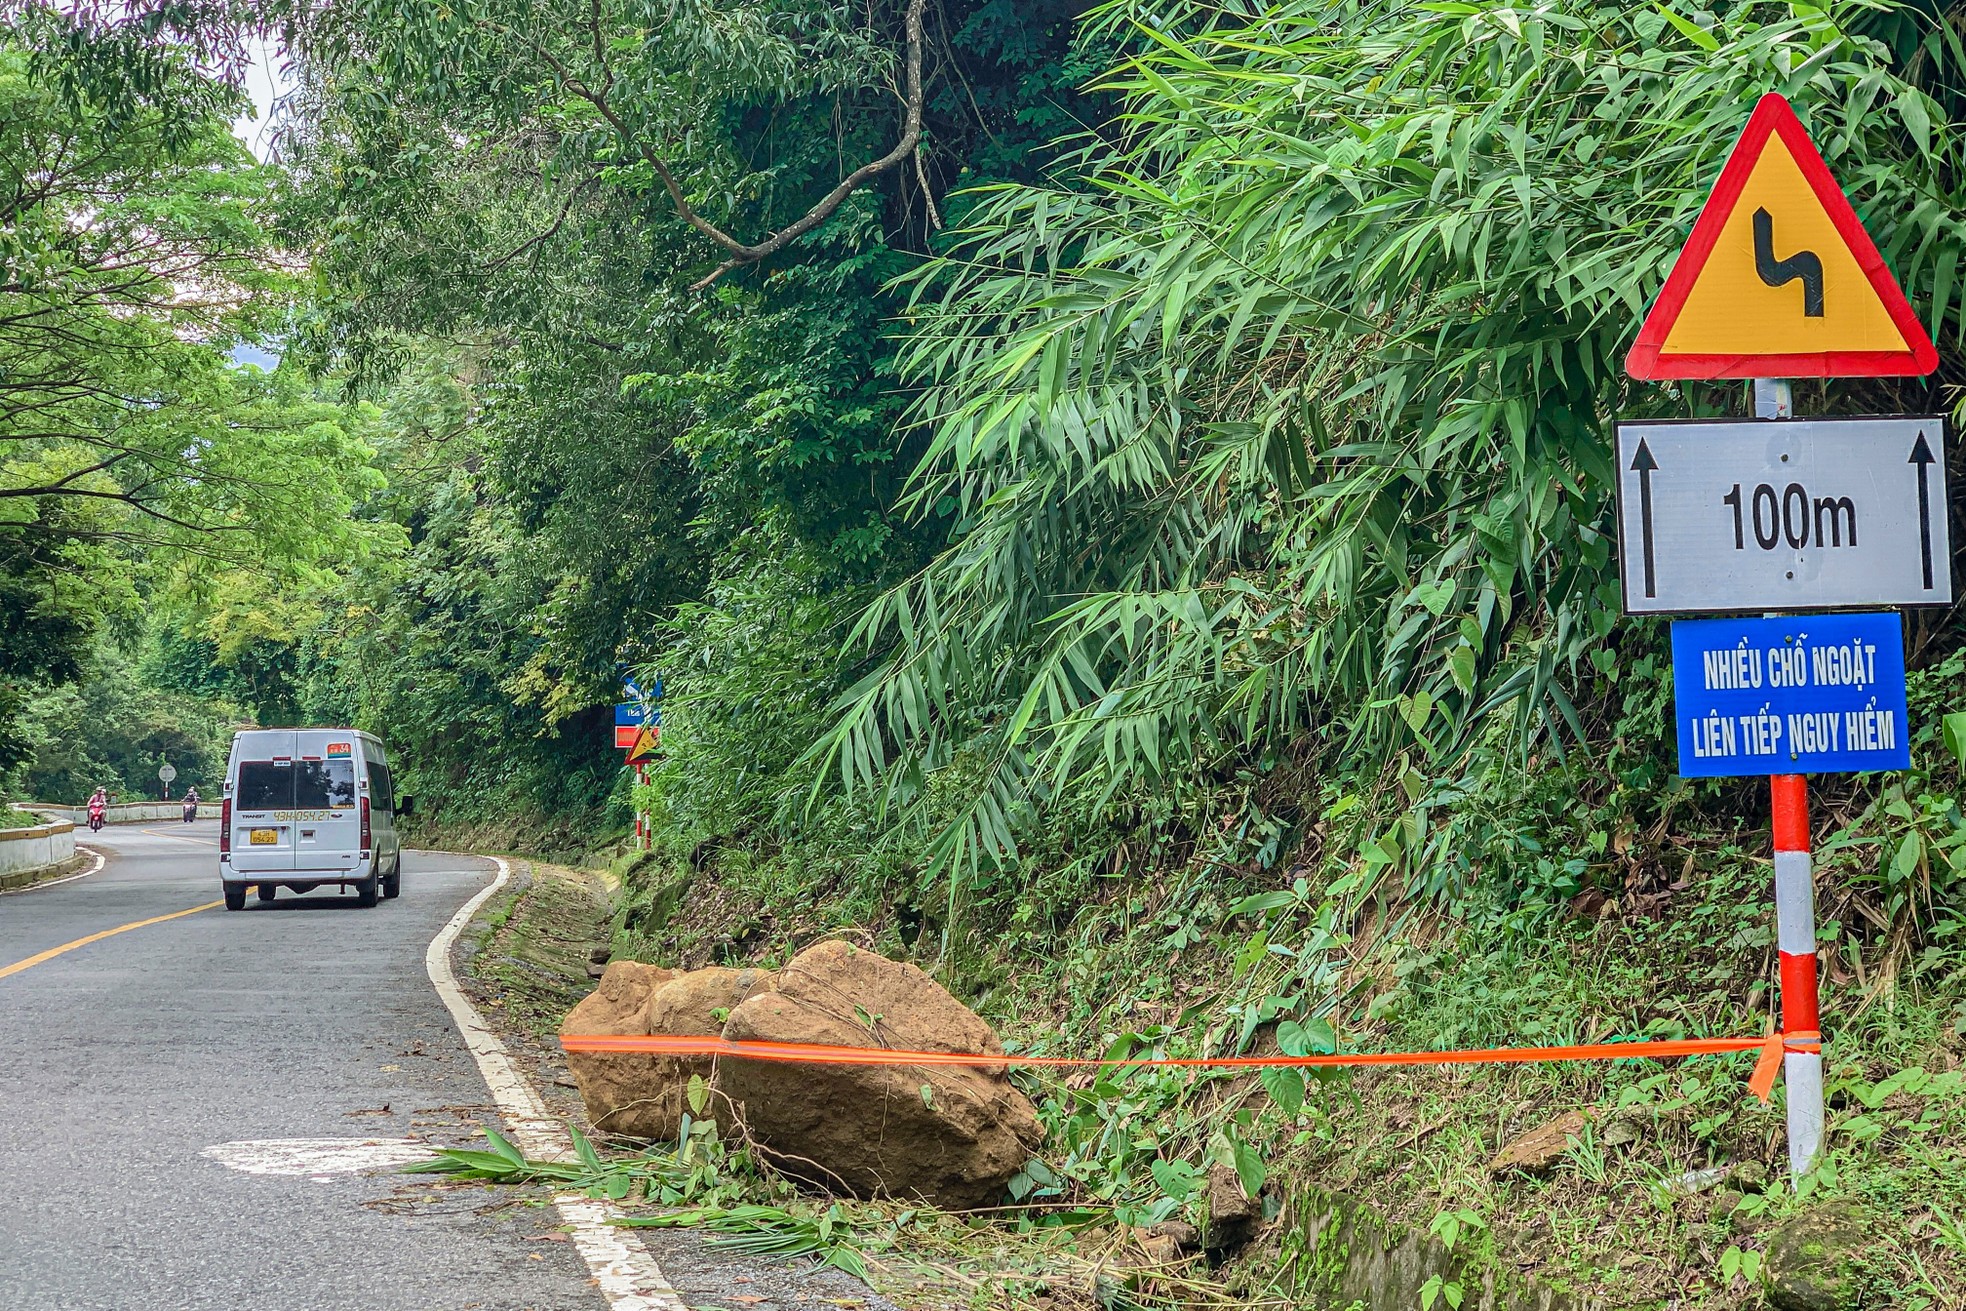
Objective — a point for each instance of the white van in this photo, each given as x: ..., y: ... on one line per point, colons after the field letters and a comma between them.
x: 307, y: 806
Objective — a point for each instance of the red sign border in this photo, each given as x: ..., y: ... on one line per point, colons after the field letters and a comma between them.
x: 1774, y: 116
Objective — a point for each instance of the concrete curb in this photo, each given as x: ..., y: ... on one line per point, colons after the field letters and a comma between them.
x: 21, y: 880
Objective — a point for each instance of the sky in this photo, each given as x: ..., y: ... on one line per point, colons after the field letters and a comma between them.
x: 264, y: 83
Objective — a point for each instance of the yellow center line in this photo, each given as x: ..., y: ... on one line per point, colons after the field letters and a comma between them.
x: 53, y: 952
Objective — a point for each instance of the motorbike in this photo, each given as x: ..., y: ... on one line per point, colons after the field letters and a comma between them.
x: 96, y: 819
x: 190, y: 811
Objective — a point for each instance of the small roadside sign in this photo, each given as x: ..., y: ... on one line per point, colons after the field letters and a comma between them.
x: 1748, y: 514
x: 647, y: 739
x: 1779, y: 278
x: 635, y: 712
x: 1796, y: 694
x: 166, y: 772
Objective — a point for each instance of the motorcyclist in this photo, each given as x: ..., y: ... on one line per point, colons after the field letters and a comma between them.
x: 190, y: 804
x: 98, y: 809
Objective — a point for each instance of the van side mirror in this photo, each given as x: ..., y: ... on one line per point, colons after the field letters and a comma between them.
x: 405, y: 805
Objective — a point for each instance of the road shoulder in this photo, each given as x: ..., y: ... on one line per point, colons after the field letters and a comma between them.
x: 523, y: 962
x: 623, y: 1271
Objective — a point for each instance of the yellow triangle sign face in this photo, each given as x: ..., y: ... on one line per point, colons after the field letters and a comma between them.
x: 1732, y: 302
x: 1779, y: 278
x: 645, y: 744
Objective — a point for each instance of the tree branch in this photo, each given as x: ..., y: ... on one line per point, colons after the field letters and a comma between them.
x: 559, y: 220
x: 740, y: 253
x: 125, y: 498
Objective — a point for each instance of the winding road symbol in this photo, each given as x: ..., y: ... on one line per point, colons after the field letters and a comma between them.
x: 1727, y: 309
x: 1804, y: 264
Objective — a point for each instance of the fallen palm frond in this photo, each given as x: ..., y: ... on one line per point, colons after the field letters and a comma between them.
x: 768, y: 1231
x: 696, y: 1168
x: 914, y: 1252
x: 503, y: 1164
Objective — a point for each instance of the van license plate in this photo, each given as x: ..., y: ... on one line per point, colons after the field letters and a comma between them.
x: 266, y: 837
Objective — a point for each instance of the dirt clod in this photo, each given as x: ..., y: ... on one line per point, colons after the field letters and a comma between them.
x: 1541, y: 1148
x: 1232, y: 1213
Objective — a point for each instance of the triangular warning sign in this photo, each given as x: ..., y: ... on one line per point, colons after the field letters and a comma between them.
x: 645, y: 744
x: 1779, y: 279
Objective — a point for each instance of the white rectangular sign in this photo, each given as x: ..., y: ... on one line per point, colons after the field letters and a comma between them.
x: 1786, y: 514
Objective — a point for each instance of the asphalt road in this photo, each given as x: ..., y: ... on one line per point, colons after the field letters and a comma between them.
x: 128, y: 1065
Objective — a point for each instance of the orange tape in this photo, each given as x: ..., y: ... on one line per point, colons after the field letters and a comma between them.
x: 1762, y: 1081
x: 1770, y: 1047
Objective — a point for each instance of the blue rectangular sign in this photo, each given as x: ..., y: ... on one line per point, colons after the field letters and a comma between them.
x: 1798, y: 694
x: 633, y: 714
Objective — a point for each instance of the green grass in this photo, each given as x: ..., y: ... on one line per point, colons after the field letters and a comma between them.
x: 1611, y: 1218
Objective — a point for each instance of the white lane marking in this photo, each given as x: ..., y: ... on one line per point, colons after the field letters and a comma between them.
x: 317, y: 1156
x: 96, y: 868
x: 623, y: 1269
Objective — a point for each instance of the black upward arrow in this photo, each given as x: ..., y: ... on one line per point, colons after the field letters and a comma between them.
x: 1921, y: 455
x: 1645, y: 464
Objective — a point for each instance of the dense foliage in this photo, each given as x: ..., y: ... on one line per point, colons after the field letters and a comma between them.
x: 585, y: 445
x: 127, y: 716
x: 1208, y: 412
x: 139, y: 466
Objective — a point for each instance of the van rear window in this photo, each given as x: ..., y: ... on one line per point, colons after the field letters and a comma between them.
x: 264, y: 785
x: 301, y: 785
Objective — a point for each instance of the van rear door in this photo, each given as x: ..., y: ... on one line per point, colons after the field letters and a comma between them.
x: 263, y: 803
x: 327, y: 804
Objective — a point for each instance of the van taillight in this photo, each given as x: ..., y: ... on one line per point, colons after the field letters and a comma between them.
x: 365, y: 824
x: 225, y: 827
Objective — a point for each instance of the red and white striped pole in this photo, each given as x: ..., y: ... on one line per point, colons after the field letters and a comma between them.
x: 644, y: 827
x: 1795, y: 938
x: 1795, y: 912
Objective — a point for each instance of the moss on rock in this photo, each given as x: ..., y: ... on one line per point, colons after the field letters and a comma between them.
x: 1815, y: 1260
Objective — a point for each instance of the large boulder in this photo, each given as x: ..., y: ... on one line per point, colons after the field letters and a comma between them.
x: 614, y: 1086
x: 693, y: 1004
x: 950, y: 1135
